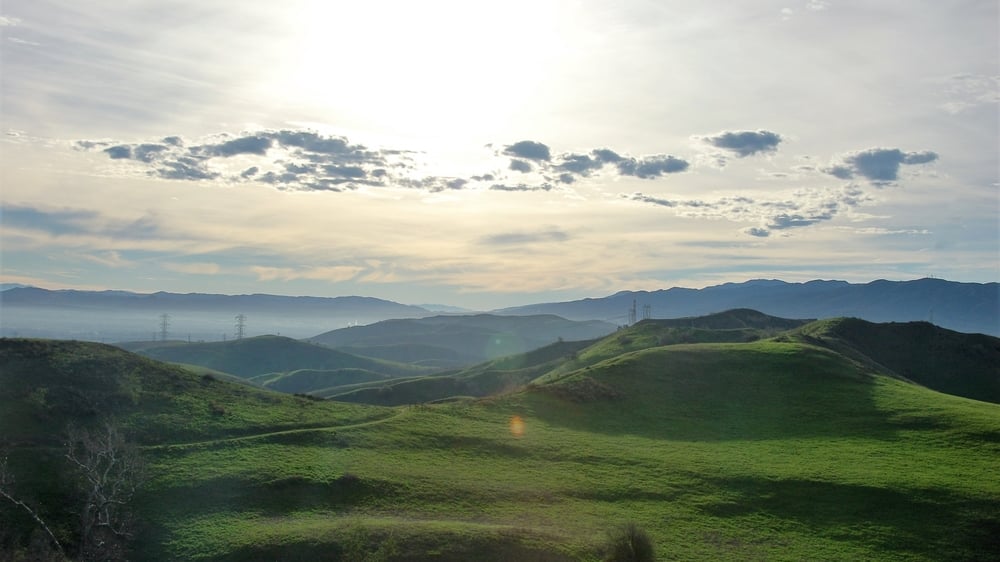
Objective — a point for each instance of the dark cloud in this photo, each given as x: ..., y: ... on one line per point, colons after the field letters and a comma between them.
x: 484, y: 177
x: 651, y: 166
x: 745, y: 143
x: 147, y: 152
x: 566, y: 178
x: 528, y: 149
x: 520, y: 166
x: 89, y: 144
x: 653, y: 200
x: 249, y: 172
x: 245, y: 145
x: 758, y: 232
x: 878, y: 165
x: 185, y: 168
x: 345, y: 171
x: 521, y: 238
x: 785, y: 220
x: 579, y: 164
x: 606, y: 155
x: 456, y: 183
x: 119, y: 152
x: 173, y: 141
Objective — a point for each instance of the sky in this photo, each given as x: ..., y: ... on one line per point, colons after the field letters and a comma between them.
x: 491, y: 154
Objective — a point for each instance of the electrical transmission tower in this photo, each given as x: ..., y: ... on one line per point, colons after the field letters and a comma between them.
x: 164, y: 327
x: 631, y: 314
x: 647, y: 311
x: 241, y: 324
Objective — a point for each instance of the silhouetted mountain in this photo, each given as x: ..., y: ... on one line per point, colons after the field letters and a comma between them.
x: 472, y: 338
x: 965, y: 307
x: 122, y: 315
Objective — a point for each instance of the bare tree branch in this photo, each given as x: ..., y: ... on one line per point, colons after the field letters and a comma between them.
x: 6, y: 491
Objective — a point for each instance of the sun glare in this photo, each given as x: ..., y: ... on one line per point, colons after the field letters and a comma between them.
x: 442, y: 67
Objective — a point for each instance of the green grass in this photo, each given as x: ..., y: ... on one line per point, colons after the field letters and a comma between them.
x: 756, y: 451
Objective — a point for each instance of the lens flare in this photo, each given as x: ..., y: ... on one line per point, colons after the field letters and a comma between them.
x: 516, y: 426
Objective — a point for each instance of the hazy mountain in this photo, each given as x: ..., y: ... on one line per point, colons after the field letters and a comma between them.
x: 472, y: 338
x: 965, y: 307
x: 123, y: 315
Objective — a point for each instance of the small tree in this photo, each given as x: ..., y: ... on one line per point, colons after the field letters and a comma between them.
x: 629, y: 543
x: 109, y: 471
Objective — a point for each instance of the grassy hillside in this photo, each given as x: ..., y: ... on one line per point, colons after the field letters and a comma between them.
x: 46, y: 384
x: 952, y: 362
x: 505, y: 374
x: 735, y: 451
x: 738, y: 325
x: 473, y: 338
x: 249, y: 357
x: 310, y: 380
x: 423, y: 355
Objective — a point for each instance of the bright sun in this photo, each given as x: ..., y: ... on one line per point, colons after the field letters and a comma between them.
x: 440, y: 67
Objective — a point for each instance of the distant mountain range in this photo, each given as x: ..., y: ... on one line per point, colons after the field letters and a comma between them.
x: 965, y: 307
x: 362, y: 307
x: 122, y: 315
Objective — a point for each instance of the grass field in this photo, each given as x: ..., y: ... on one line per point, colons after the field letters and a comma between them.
x: 721, y: 451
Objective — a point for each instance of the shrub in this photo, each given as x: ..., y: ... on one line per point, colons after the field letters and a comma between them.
x: 629, y: 543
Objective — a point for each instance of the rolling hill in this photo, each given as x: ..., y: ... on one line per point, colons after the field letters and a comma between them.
x: 260, y: 355
x: 736, y: 450
x: 471, y: 339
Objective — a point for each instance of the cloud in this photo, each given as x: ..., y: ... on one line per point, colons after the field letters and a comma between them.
x: 579, y: 164
x: 306, y: 160
x: 528, y: 149
x: 651, y: 166
x: 521, y: 187
x: 520, y: 166
x: 745, y: 143
x: 522, y: 238
x: 57, y: 223
x: 245, y: 145
x: 803, y: 208
x: 880, y: 166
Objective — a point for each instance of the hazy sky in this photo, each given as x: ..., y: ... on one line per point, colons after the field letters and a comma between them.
x: 491, y: 154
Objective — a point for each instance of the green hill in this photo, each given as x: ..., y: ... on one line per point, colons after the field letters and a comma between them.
x: 249, y: 357
x: 952, y: 362
x: 764, y: 450
x: 310, y: 380
x: 737, y: 325
x: 505, y: 374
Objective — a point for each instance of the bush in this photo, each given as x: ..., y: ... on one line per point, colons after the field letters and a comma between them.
x: 629, y: 543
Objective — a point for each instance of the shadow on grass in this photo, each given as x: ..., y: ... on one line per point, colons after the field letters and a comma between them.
x: 928, y: 523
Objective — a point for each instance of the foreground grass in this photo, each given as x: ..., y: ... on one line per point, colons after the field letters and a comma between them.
x: 761, y: 451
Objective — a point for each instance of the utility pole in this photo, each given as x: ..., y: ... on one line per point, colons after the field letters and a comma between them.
x: 164, y: 326
x: 241, y: 322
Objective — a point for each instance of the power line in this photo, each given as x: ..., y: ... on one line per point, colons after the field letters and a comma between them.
x: 241, y: 322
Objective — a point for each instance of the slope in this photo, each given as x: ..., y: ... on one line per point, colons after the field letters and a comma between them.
x: 249, y: 357
x: 473, y: 338
x: 737, y: 325
x: 501, y: 375
x: 955, y: 363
